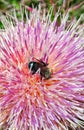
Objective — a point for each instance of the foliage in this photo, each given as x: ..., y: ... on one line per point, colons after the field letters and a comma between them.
x: 76, y: 6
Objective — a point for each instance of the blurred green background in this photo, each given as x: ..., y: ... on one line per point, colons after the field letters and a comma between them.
x: 76, y: 7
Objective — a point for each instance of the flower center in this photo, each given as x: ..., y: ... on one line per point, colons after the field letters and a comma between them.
x: 34, y: 79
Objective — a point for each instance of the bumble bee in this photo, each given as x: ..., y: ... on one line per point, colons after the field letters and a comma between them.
x: 34, y: 66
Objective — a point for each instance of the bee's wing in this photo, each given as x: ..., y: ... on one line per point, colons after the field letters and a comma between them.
x: 41, y: 62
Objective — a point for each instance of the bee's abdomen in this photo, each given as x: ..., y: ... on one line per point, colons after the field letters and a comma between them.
x: 45, y: 73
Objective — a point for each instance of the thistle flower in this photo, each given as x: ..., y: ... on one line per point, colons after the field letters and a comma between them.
x: 28, y: 101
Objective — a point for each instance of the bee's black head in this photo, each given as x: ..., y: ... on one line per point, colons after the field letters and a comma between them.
x: 33, y: 66
x: 30, y: 65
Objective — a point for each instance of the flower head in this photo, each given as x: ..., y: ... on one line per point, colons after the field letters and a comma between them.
x: 28, y: 101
